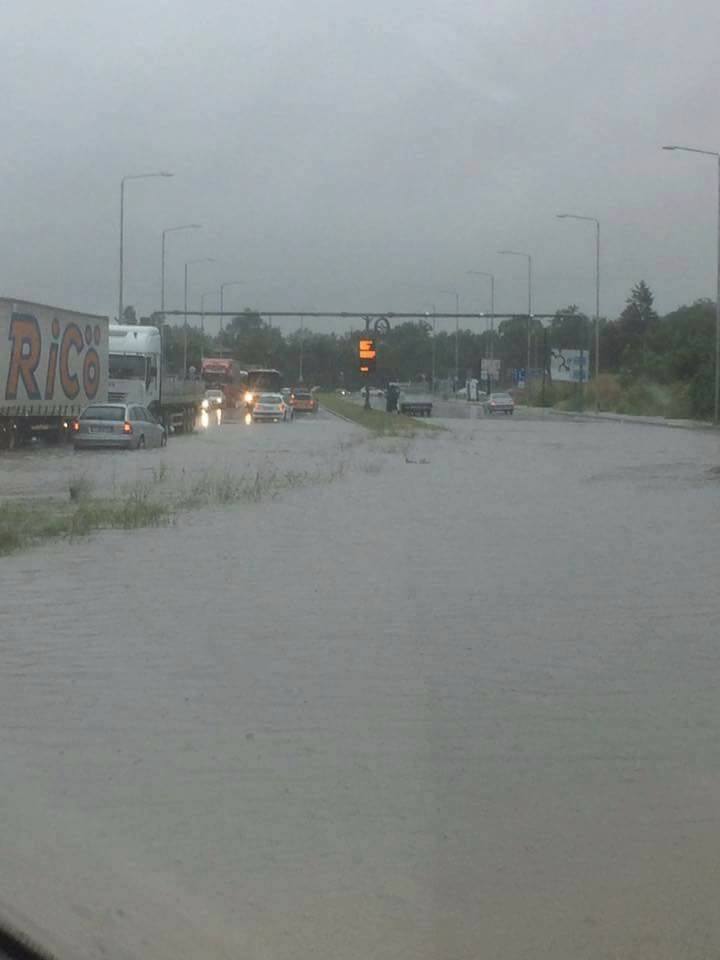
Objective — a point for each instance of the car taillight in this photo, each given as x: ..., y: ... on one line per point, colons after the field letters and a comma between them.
x: 127, y: 427
x: 75, y: 426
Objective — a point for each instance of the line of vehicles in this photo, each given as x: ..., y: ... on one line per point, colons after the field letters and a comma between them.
x: 416, y: 399
x: 57, y: 366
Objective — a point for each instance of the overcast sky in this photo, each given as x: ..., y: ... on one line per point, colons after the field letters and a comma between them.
x: 358, y: 154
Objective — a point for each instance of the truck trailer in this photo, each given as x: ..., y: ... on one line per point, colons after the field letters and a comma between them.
x: 53, y: 362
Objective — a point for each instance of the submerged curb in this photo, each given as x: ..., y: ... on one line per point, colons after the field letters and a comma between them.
x: 340, y: 416
x: 622, y: 418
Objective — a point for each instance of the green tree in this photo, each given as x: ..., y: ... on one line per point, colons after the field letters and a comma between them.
x: 570, y: 329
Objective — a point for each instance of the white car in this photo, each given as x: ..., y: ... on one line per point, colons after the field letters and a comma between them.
x: 213, y: 400
x: 272, y: 407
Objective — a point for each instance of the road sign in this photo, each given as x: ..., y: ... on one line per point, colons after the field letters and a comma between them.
x: 569, y: 366
x: 367, y: 355
x: 490, y: 368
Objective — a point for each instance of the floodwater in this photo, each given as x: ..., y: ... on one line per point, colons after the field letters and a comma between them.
x: 460, y: 702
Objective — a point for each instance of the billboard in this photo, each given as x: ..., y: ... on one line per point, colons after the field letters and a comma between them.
x: 569, y: 366
x: 52, y: 362
x: 490, y: 368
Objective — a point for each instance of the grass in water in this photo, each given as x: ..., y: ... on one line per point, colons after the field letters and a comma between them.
x: 23, y: 524
x: 378, y: 421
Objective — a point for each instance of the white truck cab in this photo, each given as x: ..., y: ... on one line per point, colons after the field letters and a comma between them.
x: 135, y: 375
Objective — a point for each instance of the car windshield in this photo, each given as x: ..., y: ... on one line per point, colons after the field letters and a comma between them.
x: 103, y: 413
x: 481, y: 719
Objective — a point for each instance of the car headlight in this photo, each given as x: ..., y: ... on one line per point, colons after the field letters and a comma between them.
x: 205, y: 403
x: 248, y: 397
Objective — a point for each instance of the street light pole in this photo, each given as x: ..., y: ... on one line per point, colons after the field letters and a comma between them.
x: 716, y: 402
x: 575, y: 216
x: 123, y: 181
x: 455, y: 294
x: 230, y: 283
x: 518, y: 253
x: 185, y: 337
x: 207, y: 293
x: 491, y: 276
x: 183, y: 226
x: 432, y: 373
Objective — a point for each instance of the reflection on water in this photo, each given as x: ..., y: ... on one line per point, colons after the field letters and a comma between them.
x: 205, y: 417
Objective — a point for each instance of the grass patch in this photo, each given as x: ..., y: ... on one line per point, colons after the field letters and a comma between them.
x: 616, y: 394
x: 377, y: 421
x: 226, y: 487
x: 24, y: 524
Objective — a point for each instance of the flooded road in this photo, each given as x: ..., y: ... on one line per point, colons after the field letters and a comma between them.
x: 460, y: 702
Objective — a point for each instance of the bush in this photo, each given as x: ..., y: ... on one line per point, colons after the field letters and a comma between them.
x: 701, y: 393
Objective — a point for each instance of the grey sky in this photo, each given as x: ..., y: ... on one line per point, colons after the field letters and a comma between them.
x: 357, y: 154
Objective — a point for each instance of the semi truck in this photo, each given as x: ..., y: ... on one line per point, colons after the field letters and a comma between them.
x: 137, y: 375
x: 53, y: 362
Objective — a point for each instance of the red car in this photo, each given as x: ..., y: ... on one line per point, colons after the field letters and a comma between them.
x: 303, y: 401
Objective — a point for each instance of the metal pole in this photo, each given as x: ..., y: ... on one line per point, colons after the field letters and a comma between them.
x: 492, y: 317
x: 302, y: 344
x: 716, y: 412
x: 716, y: 403
x: 457, y: 340
x: 162, y: 274
x: 134, y: 176
x: 185, y: 338
x: 182, y: 226
x: 229, y: 283
x: 527, y: 374
x: 122, y: 234
x: 597, y: 315
x: 433, y: 351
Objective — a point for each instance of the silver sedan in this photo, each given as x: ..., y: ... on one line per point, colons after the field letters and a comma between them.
x: 499, y: 403
x: 125, y: 425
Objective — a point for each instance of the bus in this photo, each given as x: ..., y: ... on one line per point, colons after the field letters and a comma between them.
x: 261, y: 380
x: 223, y: 373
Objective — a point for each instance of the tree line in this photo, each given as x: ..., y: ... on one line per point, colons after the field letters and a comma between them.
x: 637, y: 345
